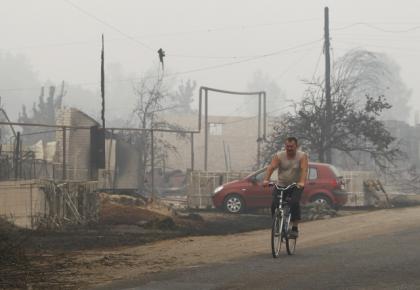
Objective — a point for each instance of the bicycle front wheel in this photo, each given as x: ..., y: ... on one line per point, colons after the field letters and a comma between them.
x: 276, y: 234
x: 290, y: 242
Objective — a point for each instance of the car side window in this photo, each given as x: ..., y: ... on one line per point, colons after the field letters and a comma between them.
x: 313, y: 173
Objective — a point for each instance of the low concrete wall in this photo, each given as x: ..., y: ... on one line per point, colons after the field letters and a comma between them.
x: 21, y: 202
x: 30, y: 203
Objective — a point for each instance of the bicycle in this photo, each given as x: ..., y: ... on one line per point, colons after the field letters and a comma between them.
x: 281, y: 222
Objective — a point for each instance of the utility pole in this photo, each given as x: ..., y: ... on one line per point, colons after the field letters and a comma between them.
x: 103, y: 84
x: 328, y: 106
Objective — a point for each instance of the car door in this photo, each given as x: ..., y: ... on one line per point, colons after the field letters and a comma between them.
x: 268, y: 191
x: 256, y: 194
x: 264, y: 193
x: 312, y: 182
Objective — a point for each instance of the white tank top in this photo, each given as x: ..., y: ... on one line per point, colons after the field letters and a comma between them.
x: 289, y: 169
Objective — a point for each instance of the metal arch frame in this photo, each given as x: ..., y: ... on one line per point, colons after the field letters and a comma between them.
x: 262, y: 106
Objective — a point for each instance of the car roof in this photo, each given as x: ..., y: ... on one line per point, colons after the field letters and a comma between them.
x: 319, y: 164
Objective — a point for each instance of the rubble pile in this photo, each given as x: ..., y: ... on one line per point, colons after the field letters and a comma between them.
x: 128, y: 210
x: 404, y: 200
x: 315, y: 211
x: 375, y: 194
x: 125, y: 199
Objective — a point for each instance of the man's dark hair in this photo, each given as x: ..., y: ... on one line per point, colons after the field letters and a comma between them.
x: 292, y: 139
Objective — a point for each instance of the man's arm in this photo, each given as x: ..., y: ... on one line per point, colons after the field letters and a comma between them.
x: 303, y: 170
x: 275, y: 162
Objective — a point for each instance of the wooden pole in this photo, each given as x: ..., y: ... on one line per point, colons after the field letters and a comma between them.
x: 328, y: 106
x: 103, y: 83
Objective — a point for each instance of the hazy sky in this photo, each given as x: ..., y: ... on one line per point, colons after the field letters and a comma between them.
x: 62, y: 42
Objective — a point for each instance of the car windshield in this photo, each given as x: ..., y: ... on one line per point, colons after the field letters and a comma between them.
x: 336, y: 171
x: 259, y: 174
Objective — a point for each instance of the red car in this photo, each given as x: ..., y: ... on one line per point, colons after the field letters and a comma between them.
x: 324, y: 185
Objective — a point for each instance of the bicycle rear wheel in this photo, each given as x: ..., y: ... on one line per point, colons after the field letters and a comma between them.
x: 276, y: 234
x: 291, y: 245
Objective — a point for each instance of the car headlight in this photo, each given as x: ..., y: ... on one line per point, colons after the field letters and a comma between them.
x: 217, y: 189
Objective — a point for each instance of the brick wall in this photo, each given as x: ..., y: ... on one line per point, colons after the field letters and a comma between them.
x: 77, y: 143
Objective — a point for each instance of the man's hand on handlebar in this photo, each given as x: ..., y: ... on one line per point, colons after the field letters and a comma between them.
x: 300, y: 185
x: 266, y: 183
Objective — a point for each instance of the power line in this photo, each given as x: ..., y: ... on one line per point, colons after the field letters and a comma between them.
x: 378, y: 37
x: 361, y: 43
x: 317, y: 64
x: 171, y: 75
x: 209, y: 30
x: 59, y: 44
x: 84, y: 11
x: 206, y: 30
x: 243, y: 61
x: 293, y: 64
x: 333, y: 57
x: 377, y: 28
x: 238, y: 27
x: 221, y: 57
x: 288, y: 68
x: 210, y: 57
x: 108, y: 25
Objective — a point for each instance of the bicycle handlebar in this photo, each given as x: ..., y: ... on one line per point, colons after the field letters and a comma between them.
x: 294, y: 184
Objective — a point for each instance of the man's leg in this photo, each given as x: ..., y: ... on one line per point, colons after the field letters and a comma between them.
x: 295, y: 209
x: 274, y: 202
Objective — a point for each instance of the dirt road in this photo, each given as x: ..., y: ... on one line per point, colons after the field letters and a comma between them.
x: 101, y: 268
x: 386, y: 261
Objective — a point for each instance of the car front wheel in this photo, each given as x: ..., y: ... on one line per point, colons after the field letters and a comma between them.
x: 322, y: 199
x: 234, y: 204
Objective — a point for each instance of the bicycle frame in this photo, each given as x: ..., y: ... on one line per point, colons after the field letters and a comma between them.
x: 283, y: 207
x: 280, y: 230
x: 283, y: 204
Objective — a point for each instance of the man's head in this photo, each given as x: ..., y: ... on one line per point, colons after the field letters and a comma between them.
x: 291, y: 145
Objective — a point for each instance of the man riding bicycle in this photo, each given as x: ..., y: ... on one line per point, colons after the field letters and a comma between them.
x: 292, y: 167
